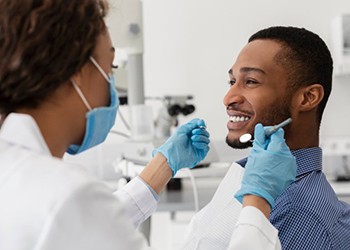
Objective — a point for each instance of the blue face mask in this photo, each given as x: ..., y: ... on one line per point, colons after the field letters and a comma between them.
x: 99, y: 121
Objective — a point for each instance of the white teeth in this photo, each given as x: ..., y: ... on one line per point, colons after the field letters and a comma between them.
x: 239, y: 118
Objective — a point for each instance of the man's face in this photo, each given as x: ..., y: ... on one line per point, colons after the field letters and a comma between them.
x: 257, y: 91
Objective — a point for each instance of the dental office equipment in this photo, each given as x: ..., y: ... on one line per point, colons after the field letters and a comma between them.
x: 173, y: 107
x: 247, y: 137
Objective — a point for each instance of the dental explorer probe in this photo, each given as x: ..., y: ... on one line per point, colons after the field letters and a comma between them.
x: 247, y: 137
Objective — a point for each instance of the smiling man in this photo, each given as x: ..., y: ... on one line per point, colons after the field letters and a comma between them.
x: 282, y: 72
x: 262, y: 96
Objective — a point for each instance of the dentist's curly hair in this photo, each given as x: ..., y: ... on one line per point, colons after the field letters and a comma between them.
x: 43, y: 43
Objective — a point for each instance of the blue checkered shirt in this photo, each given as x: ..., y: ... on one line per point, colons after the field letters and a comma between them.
x: 308, y: 214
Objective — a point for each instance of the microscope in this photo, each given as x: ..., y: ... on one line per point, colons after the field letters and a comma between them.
x: 173, y: 106
x: 142, y: 141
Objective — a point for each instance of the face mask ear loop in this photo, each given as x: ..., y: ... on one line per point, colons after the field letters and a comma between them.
x: 99, y: 68
x: 75, y: 85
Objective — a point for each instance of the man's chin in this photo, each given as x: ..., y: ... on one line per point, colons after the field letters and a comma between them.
x: 235, y: 143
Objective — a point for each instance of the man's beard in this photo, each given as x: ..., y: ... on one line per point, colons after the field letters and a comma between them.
x: 276, y: 114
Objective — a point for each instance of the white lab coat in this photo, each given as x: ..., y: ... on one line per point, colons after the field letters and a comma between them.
x: 212, y: 226
x: 49, y: 204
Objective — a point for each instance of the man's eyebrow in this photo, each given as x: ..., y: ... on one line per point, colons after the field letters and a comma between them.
x: 250, y: 69
x: 112, y: 49
x: 247, y: 70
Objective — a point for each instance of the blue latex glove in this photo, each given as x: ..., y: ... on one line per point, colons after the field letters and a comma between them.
x: 270, y: 168
x: 186, y: 147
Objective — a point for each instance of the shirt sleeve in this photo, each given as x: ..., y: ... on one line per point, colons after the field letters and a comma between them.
x: 88, y: 218
x: 253, y: 231
x: 139, y: 202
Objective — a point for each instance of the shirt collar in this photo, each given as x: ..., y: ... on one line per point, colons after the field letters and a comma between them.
x: 22, y: 130
x: 308, y: 160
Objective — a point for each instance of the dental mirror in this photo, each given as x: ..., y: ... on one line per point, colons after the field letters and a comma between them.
x: 247, y: 137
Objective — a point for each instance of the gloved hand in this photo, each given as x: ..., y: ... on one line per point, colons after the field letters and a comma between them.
x: 270, y: 168
x: 186, y: 147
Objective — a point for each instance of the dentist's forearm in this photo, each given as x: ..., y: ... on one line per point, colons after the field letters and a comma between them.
x: 258, y: 202
x: 157, y: 173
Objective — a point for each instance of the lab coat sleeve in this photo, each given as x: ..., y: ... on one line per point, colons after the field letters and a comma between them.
x: 138, y: 200
x: 253, y: 231
x: 89, y: 218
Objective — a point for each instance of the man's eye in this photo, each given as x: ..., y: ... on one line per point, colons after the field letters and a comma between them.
x: 231, y: 82
x: 250, y: 81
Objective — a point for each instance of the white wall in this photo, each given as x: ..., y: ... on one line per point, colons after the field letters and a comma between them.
x: 191, y: 44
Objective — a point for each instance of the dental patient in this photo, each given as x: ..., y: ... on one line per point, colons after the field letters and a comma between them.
x: 282, y: 72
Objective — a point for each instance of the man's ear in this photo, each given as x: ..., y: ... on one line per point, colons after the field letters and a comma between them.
x: 309, y: 97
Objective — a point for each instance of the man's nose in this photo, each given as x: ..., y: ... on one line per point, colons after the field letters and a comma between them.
x: 233, y: 96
